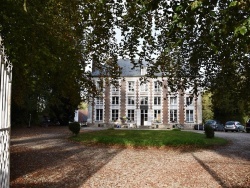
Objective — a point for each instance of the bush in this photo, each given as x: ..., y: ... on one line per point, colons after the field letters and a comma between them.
x: 75, y: 128
x: 209, y: 131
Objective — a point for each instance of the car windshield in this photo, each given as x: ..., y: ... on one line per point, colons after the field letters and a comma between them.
x: 209, y: 122
x: 230, y: 123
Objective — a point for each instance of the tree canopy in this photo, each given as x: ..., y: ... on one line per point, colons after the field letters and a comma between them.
x: 196, y: 43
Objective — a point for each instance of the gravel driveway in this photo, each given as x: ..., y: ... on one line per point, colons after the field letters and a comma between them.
x: 43, y: 157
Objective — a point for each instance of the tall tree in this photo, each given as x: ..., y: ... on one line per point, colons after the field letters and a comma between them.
x: 193, y: 43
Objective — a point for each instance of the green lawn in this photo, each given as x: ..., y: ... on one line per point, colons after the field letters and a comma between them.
x: 148, y: 138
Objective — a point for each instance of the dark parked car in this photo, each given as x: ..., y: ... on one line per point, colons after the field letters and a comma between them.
x: 215, y: 124
x: 234, y: 126
x: 248, y: 126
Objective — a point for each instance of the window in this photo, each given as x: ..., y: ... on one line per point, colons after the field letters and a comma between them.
x: 99, y: 101
x: 173, y: 116
x: 115, y: 87
x: 99, y: 114
x: 131, y: 115
x: 173, y: 100
x: 189, y: 101
x: 189, y: 116
x: 131, y: 86
x: 157, y: 86
x: 157, y: 116
x: 144, y: 100
x: 131, y: 100
x: 115, y: 115
x: 157, y: 100
x: 143, y: 70
x: 144, y: 87
x: 115, y: 100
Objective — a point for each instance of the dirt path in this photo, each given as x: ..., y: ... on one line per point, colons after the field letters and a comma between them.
x: 43, y: 157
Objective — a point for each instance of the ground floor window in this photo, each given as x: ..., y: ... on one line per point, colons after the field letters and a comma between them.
x: 173, y: 116
x: 115, y: 115
x: 157, y: 116
x: 189, y: 116
x: 99, y: 114
x: 131, y: 115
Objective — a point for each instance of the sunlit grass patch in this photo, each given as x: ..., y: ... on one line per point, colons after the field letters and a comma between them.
x: 149, y: 138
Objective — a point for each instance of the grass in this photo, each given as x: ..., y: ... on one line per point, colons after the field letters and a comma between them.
x: 149, y: 138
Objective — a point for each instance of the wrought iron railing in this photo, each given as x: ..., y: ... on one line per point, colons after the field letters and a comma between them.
x: 5, y: 100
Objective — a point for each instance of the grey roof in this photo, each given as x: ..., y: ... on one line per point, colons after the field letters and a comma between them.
x: 128, y: 69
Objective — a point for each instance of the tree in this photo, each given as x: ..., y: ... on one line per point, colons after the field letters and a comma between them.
x: 192, y: 43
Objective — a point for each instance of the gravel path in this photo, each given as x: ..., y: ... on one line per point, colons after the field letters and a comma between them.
x: 44, y: 157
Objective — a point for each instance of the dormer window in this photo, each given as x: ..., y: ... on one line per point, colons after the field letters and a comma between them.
x: 143, y: 70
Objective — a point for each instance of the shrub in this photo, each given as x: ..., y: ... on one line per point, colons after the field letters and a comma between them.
x: 75, y: 128
x: 209, y: 131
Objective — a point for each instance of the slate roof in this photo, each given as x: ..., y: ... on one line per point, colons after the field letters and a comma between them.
x: 127, y: 68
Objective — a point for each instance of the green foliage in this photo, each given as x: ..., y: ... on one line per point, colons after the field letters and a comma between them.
x: 209, y: 131
x: 50, y: 43
x: 148, y: 138
x: 74, y: 128
x: 207, y: 110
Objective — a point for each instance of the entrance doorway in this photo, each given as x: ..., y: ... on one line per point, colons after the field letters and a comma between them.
x: 144, y: 117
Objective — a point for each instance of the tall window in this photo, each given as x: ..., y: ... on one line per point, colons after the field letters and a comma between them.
x: 144, y: 100
x: 115, y: 115
x: 173, y: 116
x: 157, y: 86
x: 157, y: 116
x: 115, y: 100
x: 189, y: 101
x: 143, y: 70
x: 131, y: 115
x: 115, y: 87
x: 131, y: 86
x: 99, y: 114
x: 189, y: 115
x: 144, y: 87
x: 144, y: 113
x: 173, y: 100
x: 157, y: 100
x: 131, y: 100
x: 99, y: 101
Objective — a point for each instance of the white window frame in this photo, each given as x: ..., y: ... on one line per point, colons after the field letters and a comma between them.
x: 99, y: 115
x: 157, y: 116
x: 144, y: 87
x: 131, y: 115
x: 173, y: 117
x: 157, y: 101
x: 114, y: 114
x: 189, y: 116
x: 131, y: 100
x: 157, y: 86
x: 99, y: 101
x: 131, y: 86
x: 115, y: 100
x: 144, y: 100
x: 173, y: 100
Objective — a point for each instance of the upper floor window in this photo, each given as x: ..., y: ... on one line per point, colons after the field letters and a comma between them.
x: 173, y: 100
x: 144, y: 87
x: 99, y: 101
x: 115, y: 100
x: 157, y: 86
x: 143, y: 70
x: 157, y: 100
x: 189, y: 101
x: 144, y: 100
x: 131, y: 86
x: 115, y: 87
x: 131, y: 100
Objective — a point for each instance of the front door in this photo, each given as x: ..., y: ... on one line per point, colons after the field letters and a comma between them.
x: 144, y: 116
